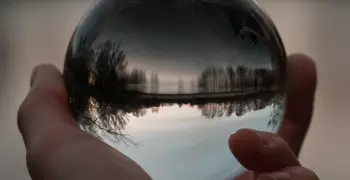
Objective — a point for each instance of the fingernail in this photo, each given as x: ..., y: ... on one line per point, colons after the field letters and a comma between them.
x: 33, y: 76
x: 263, y: 140
x: 275, y: 176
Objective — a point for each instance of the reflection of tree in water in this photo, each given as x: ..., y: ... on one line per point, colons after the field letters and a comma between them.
x: 102, y: 119
x: 91, y: 76
x: 238, y: 108
x: 277, y: 113
x: 104, y: 92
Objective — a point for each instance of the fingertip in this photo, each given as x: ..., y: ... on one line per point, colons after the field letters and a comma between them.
x: 261, y: 151
x: 47, y: 79
x: 45, y: 72
x: 300, y: 56
x: 243, y: 134
x: 244, y: 142
x: 246, y: 146
x: 302, y: 73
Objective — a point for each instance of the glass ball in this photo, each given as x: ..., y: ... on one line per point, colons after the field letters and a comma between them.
x: 166, y: 82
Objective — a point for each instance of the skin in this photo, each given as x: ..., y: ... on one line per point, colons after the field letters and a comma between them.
x: 58, y: 150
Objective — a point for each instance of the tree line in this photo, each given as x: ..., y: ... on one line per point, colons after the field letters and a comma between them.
x: 232, y: 79
x: 103, y: 91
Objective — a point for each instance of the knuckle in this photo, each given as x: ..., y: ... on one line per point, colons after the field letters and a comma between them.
x: 32, y: 159
x: 41, y: 150
x: 36, y: 99
x: 311, y: 174
x: 36, y: 160
x: 303, y: 172
x: 22, y: 113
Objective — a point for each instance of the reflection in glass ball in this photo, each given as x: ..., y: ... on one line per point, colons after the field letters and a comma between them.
x: 166, y: 82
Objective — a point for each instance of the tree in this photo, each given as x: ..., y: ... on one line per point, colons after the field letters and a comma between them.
x: 109, y: 69
x: 154, y: 83
x: 137, y: 80
x: 241, y: 73
x: 193, y: 86
x: 180, y: 86
x: 231, y: 75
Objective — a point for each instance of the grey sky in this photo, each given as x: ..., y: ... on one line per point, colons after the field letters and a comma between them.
x: 177, y: 143
x: 202, y: 36
x: 175, y: 40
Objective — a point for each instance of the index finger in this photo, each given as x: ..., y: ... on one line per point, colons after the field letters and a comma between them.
x: 302, y: 80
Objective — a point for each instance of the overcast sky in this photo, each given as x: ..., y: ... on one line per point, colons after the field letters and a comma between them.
x: 178, y: 143
x: 175, y: 41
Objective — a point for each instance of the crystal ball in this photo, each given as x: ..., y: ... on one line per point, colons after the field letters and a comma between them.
x: 166, y: 82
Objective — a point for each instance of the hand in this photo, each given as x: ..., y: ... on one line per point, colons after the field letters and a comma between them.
x: 56, y: 148
x: 274, y: 157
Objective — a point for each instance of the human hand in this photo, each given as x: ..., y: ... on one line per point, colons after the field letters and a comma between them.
x: 56, y: 148
x: 274, y: 157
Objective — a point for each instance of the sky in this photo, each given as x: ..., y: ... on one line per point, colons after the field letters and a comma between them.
x: 179, y: 143
x: 180, y: 42
x: 175, y: 41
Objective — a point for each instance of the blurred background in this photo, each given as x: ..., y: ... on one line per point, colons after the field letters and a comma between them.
x: 34, y: 32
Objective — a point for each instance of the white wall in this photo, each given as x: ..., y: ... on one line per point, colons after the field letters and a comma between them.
x: 321, y: 29
x: 37, y: 32
x: 31, y: 33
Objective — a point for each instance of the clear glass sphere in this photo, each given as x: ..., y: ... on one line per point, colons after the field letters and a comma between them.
x: 166, y: 82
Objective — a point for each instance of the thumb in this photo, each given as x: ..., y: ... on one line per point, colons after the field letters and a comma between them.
x: 290, y: 173
x: 261, y: 151
x: 46, y: 107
